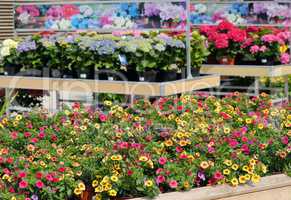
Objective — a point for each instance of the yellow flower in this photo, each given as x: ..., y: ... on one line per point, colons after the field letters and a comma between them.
x: 143, y: 158
x: 264, y: 168
x: 83, y: 128
x: 77, y: 191
x: 247, y: 177
x: 186, y: 184
x: 82, y: 186
x: 256, y: 178
x: 204, y: 165
x: 228, y: 163
x: 13, y: 198
x: 98, y: 189
x: 97, y: 126
x: 18, y: 117
x: 112, y: 193
x: 114, y: 178
x: 260, y: 126
x: 98, y: 197
x: 169, y: 143
x: 108, y: 103
x: 183, y: 143
x: 226, y: 171
x: 95, y: 183
x: 67, y: 112
x: 242, y: 179
x: 148, y: 183
x: 226, y: 130
x: 249, y: 120
x: 245, y: 168
x: 283, y: 48
x: 253, y: 162
x: 234, y: 167
x: 234, y: 181
x: 116, y: 157
x: 5, y: 177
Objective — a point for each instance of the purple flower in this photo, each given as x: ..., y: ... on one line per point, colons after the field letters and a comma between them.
x: 26, y: 46
x: 104, y: 47
x: 201, y: 175
x: 34, y: 197
x: 151, y: 9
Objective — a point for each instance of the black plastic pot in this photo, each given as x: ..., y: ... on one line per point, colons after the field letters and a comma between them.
x: 195, y: 71
x: 66, y: 73
x: 265, y: 61
x: 167, y: 76
x: 11, y: 70
x: 148, y: 76
x: 31, y: 72
x: 55, y: 73
x: 45, y: 72
x: 84, y: 73
x: 131, y: 75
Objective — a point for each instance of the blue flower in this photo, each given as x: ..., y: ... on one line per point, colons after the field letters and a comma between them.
x: 93, y: 23
x: 48, y: 24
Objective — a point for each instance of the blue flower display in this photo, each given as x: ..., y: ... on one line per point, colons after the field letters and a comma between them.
x: 128, y: 10
x: 239, y: 8
x: 200, y: 19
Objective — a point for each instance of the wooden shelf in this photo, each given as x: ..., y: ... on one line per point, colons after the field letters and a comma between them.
x: 116, y: 87
x: 247, y: 70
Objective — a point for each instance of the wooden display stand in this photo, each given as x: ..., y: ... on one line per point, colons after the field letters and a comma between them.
x: 55, y: 85
x: 252, y: 71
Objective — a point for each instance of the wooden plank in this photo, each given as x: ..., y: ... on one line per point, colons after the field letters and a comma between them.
x: 117, y: 87
x: 243, y: 71
x: 225, y: 192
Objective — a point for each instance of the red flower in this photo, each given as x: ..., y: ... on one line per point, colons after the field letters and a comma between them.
x: 237, y: 35
x: 22, y: 175
x: 49, y: 177
x: 27, y: 134
x: 14, y: 135
x: 41, y: 135
x: 38, y: 175
x: 225, y: 25
x: 23, y: 184
x: 9, y: 160
x: 62, y: 169
x: 34, y: 140
x: 221, y: 41
x: 39, y: 184
x: 70, y: 10
x: 129, y: 172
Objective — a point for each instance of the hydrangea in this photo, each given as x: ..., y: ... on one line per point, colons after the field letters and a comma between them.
x: 171, y: 42
x: 103, y: 47
x: 240, y: 8
x: 170, y: 11
x: 86, y: 10
x: 26, y: 45
x: 24, y: 18
x: 200, y: 8
x: 152, y: 9
x: 127, y: 10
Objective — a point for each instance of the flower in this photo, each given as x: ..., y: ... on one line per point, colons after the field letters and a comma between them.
x: 69, y: 10
x: 112, y: 193
x: 77, y: 191
x: 39, y: 184
x: 285, y: 140
x: 23, y: 184
x: 218, y: 175
x: 148, y: 183
x: 234, y: 182
x: 285, y: 58
x: 204, y: 165
x: 255, y: 178
x: 254, y: 49
x: 160, y: 179
x: 162, y: 160
x: 173, y: 184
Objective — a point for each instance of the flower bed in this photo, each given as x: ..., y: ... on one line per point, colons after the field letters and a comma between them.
x: 174, y: 144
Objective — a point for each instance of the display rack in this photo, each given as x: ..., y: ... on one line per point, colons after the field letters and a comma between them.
x: 252, y: 71
x: 55, y: 85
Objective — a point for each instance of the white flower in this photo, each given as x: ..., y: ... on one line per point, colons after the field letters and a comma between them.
x: 200, y: 8
x: 64, y: 24
x: 159, y: 47
x: 9, y: 43
x: 5, y: 51
x: 24, y: 18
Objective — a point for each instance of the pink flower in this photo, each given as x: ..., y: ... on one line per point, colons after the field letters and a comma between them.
x: 285, y: 140
x: 27, y: 134
x: 221, y: 41
x: 218, y: 175
x: 183, y: 156
x: 173, y: 184
x: 232, y: 143
x: 179, y: 149
x: 160, y: 179
x: 14, y: 135
x: 41, y: 135
x: 39, y: 184
x: 23, y: 184
x: 22, y: 175
x: 159, y: 170
x: 105, y: 20
x: 102, y: 117
x: 211, y: 150
x: 263, y: 48
x: 162, y: 160
x: 285, y: 58
x: 254, y: 49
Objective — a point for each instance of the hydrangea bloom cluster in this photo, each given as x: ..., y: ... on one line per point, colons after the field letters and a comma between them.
x: 104, y: 47
x: 26, y: 45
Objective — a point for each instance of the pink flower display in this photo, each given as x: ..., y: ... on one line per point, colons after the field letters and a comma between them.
x: 70, y: 10
x: 173, y: 184
x: 285, y: 58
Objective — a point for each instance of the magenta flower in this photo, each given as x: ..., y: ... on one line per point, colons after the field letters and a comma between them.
x: 285, y: 58
x: 218, y: 175
x: 263, y: 48
x: 160, y: 179
x: 23, y: 184
x: 254, y: 49
x: 285, y: 140
x: 162, y: 160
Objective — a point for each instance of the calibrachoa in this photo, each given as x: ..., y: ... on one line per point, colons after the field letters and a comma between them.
x: 173, y: 144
